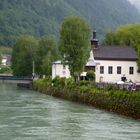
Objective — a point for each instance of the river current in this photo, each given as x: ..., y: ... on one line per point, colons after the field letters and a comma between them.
x: 30, y: 115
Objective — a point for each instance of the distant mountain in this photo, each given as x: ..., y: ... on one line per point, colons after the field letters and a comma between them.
x: 44, y: 17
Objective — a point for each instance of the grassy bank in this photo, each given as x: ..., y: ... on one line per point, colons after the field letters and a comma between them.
x: 114, y: 100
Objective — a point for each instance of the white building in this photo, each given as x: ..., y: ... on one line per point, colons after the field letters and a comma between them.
x: 6, y: 60
x: 115, y: 63
x: 118, y: 64
x: 3, y: 61
x: 111, y: 64
x: 58, y: 69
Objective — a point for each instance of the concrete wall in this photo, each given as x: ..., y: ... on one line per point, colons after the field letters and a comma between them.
x: 116, y: 77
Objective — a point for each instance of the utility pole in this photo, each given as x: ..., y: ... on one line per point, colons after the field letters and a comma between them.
x: 33, y: 71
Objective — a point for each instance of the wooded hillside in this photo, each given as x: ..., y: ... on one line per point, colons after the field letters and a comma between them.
x: 43, y: 17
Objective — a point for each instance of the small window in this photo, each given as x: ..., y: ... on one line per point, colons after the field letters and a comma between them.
x: 119, y: 69
x: 110, y: 70
x: 101, y: 69
x: 131, y: 70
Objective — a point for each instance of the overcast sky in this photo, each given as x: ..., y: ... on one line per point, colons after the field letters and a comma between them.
x: 136, y: 3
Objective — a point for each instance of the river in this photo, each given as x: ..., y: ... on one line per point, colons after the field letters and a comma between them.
x: 29, y: 115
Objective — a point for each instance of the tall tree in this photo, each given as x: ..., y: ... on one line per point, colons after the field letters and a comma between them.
x: 126, y: 35
x: 23, y: 56
x: 74, y: 43
x: 47, y: 53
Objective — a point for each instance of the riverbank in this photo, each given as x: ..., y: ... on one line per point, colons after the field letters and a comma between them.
x: 114, y: 100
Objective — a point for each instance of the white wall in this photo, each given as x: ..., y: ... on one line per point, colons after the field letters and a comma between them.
x: 3, y: 61
x: 116, y: 77
x: 59, y: 70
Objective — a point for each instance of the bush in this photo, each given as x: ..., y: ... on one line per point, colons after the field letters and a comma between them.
x: 59, y: 82
x: 110, y: 87
x: 5, y: 69
x: 83, y: 83
x: 90, y: 75
x: 70, y: 83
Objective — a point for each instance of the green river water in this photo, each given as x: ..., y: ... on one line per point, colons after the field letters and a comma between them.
x: 29, y: 115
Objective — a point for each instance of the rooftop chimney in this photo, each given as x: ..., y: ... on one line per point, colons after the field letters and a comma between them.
x: 94, y: 34
x: 94, y: 41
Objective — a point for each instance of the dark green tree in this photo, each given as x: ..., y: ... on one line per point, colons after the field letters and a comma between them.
x: 23, y: 56
x: 74, y: 43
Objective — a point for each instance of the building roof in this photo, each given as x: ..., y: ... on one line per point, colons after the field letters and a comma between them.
x: 123, y: 53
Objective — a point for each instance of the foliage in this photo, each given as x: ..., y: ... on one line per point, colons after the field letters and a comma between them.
x: 23, y: 56
x: 70, y: 82
x: 110, y: 87
x: 63, y: 82
x: 74, y: 43
x: 90, y: 75
x: 47, y: 52
x: 42, y: 84
x: 43, y: 17
x: 27, y: 49
x: 119, y: 101
x: 5, y: 50
x: 58, y: 82
x: 126, y: 35
x: 5, y: 70
x: 83, y: 83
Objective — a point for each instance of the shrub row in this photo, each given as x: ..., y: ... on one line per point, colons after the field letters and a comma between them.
x: 119, y: 101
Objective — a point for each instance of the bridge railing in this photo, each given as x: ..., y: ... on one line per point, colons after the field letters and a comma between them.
x: 2, y: 77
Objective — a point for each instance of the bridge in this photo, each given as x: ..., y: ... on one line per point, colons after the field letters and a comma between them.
x: 20, y: 81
